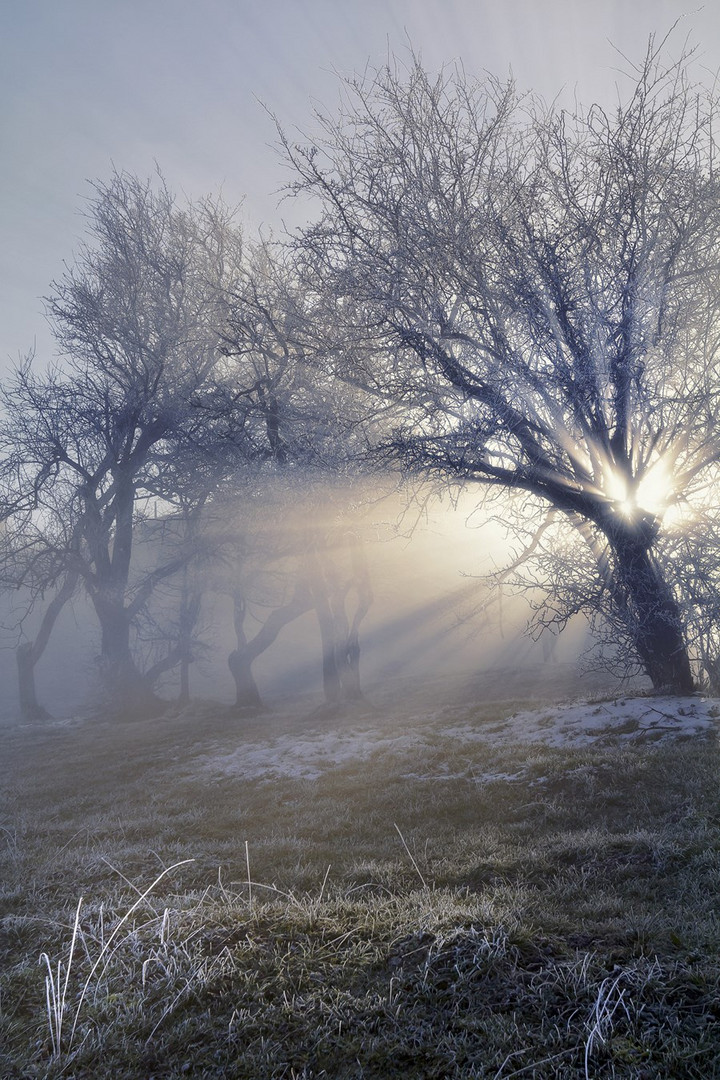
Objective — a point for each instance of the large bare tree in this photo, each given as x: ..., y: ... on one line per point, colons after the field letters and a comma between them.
x: 129, y: 418
x: 537, y: 293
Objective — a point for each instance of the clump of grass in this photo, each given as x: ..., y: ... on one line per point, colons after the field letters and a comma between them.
x: 56, y: 987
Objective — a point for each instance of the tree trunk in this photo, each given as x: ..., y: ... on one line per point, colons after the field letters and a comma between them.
x: 247, y: 695
x: 190, y: 600
x: 319, y: 589
x: 28, y: 654
x: 360, y: 585
x: 241, y: 660
x: 651, y: 613
x: 352, y: 690
x: 333, y: 586
x: 30, y: 707
x: 115, y: 643
x: 127, y: 690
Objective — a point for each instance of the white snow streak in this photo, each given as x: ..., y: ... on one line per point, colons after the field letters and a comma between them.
x: 311, y: 754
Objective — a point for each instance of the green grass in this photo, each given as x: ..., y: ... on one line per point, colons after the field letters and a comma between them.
x: 563, y: 924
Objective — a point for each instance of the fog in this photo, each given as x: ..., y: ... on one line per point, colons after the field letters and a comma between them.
x: 182, y: 83
x: 434, y: 620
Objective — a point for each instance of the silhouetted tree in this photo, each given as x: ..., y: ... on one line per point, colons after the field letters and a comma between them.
x: 307, y: 430
x: 299, y: 560
x: 537, y: 295
x: 96, y: 442
x: 341, y: 592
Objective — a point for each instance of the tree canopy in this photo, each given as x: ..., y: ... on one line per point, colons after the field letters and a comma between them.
x: 537, y: 293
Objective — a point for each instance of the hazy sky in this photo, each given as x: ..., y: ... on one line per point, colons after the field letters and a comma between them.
x: 88, y: 84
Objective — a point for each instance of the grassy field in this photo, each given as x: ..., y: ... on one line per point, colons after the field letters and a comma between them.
x: 426, y: 907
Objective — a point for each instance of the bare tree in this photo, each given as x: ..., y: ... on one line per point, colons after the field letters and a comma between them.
x: 37, y: 574
x: 291, y: 606
x: 341, y: 593
x: 537, y: 293
x: 307, y: 426
x: 169, y: 631
x: 300, y: 558
x: 34, y: 588
x: 98, y: 442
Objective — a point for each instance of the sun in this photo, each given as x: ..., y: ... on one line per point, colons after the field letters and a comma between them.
x: 652, y: 493
x: 655, y: 491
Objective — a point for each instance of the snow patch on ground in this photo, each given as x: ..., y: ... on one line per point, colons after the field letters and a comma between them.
x: 655, y: 719
x: 306, y: 756
x: 310, y: 754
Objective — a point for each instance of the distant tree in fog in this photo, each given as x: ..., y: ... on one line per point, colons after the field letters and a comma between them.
x: 39, y: 583
x: 341, y: 591
x: 39, y: 544
x: 269, y: 591
x: 532, y: 297
x: 93, y: 446
x: 307, y: 558
x: 169, y: 632
x: 312, y: 435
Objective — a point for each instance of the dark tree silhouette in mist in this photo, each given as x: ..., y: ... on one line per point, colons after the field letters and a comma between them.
x: 91, y: 446
x: 533, y: 297
x: 307, y: 434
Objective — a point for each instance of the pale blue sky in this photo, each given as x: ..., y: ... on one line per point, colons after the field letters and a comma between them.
x: 85, y: 84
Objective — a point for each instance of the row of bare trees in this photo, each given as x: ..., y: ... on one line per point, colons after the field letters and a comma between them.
x: 492, y: 293
x: 182, y: 391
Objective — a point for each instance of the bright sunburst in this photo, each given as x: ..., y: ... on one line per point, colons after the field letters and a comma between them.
x: 653, y: 492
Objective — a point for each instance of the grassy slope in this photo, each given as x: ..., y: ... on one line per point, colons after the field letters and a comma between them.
x: 561, y: 925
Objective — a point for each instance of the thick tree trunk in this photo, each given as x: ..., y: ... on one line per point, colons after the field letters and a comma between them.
x: 651, y: 613
x: 126, y: 688
x: 247, y: 695
x: 115, y: 643
x: 30, y: 707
